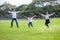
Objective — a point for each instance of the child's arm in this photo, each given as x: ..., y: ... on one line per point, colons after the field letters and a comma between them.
x: 34, y: 16
x: 26, y: 17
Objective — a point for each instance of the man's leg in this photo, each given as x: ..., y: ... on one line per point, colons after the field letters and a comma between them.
x: 16, y: 22
x: 12, y: 23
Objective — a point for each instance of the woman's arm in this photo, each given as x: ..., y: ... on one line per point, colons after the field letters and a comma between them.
x: 42, y: 14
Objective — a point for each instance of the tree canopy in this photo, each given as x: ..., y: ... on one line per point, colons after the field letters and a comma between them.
x: 31, y: 9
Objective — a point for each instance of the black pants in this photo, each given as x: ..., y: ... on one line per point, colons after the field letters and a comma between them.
x: 30, y: 23
x: 47, y: 22
x: 15, y: 21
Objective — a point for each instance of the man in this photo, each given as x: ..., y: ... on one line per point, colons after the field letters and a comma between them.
x: 14, y: 17
x: 47, y: 19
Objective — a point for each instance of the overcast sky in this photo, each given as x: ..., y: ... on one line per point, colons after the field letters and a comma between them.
x: 17, y: 2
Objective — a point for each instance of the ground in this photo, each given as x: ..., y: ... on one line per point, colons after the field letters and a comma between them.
x: 38, y: 32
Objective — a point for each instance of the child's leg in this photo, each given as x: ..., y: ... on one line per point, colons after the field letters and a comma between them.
x: 29, y: 24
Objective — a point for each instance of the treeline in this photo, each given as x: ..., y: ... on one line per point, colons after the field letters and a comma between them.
x: 26, y: 10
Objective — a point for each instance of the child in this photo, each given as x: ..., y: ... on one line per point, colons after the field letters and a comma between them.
x: 30, y: 20
x: 47, y: 19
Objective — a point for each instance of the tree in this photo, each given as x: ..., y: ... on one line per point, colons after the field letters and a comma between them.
x: 41, y: 2
x: 22, y: 7
x: 4, y: 8
x: 7, y: 6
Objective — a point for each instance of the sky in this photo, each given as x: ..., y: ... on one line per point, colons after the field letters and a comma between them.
x: 16, y: 2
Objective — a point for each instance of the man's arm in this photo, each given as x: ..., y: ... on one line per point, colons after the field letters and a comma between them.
x: 18, y: 11
x: 9, y: 11
x: 52, y: 14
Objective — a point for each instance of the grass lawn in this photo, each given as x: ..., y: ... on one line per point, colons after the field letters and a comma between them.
x: 38, y: 32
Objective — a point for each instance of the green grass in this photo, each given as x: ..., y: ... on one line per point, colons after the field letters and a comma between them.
x: 38, y: 32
